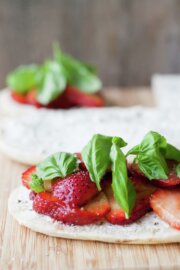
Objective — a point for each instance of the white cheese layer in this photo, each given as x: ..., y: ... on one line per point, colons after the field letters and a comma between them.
x: 31, y: 137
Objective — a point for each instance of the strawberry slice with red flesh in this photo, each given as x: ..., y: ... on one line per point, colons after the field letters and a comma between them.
x: 27, y: 176
x: 166, y: 204
x: 75, y: 189
x: 45, y: 203
x: 142, y: 205
x: 172, y: 180
x: 19, y: 97
x: 82, y: 165
x: 82, y: 99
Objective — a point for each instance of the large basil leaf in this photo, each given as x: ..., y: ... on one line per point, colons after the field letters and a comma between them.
x: 22, y: 79
x: 51, y: 82
x: 58, y: 165
x: 123, y: 188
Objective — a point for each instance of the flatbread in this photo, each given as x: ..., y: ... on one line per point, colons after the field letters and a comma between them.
x: 148, y: 230
x: 30, y: 138
x: 10, y: 107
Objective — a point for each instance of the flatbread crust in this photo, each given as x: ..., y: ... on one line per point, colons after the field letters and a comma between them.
x: 148, y: 230
x: 30, y: 138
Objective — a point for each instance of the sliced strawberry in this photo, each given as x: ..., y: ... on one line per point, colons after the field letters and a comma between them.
x: 166, y: 204
x: 45, y: 203
x: 82, y: 165
x: 142, y: 206
x: 134, y: 170
x: 32, y: 99
x: 82, y: 99
x: 61, y: 102
x: 172, y: 180
x: 32, y: 195
x: 19, y: 97
x: 75, y: 189
x: 27, y: 176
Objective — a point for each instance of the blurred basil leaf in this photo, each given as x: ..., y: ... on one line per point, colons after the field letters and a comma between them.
x: 51, y: 82
x: 81, y: 75
x: 22, y: 79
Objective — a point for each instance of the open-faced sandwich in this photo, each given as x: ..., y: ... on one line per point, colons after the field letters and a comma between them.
x: 61, y: 83
x: 99, y: 195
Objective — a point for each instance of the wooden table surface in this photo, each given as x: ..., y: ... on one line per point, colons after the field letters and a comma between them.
x: 21, y: 248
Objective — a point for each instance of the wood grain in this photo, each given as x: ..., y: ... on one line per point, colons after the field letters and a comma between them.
x: 127, y: 40
x: 22, y: 249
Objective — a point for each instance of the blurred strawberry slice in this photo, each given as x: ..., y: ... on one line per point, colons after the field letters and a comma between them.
x: 27, y: 176
x: 19, y: 97
x: 83, y: 99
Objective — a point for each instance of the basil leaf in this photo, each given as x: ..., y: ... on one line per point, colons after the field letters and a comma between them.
x: 96, y: 157
x: 153, y: 165
x: 36, y: 184
x: 58, y: 165
x: 22, y: 79
x: 151, y: 156
x: 134, y: 151
x: 51, y: 82
x: 123, y: 188
x: 153, y: 139
x: 77, y: 73
x: 178, y: 170
x: 172, y: 153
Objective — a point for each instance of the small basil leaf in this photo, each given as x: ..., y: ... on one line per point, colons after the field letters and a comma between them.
x: 51, y: 82
x: 134, y: 151
x: 77, y: 73
x: 96, y: 157
x: 153, y: 165
x: 178, y: 170
x: 172, y: 153
x: 36, y: 184
x: 119, y: 142
x: 58, y: 165
x: 153, y: 140
x: 123, y: 189
x: 22, y: 79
